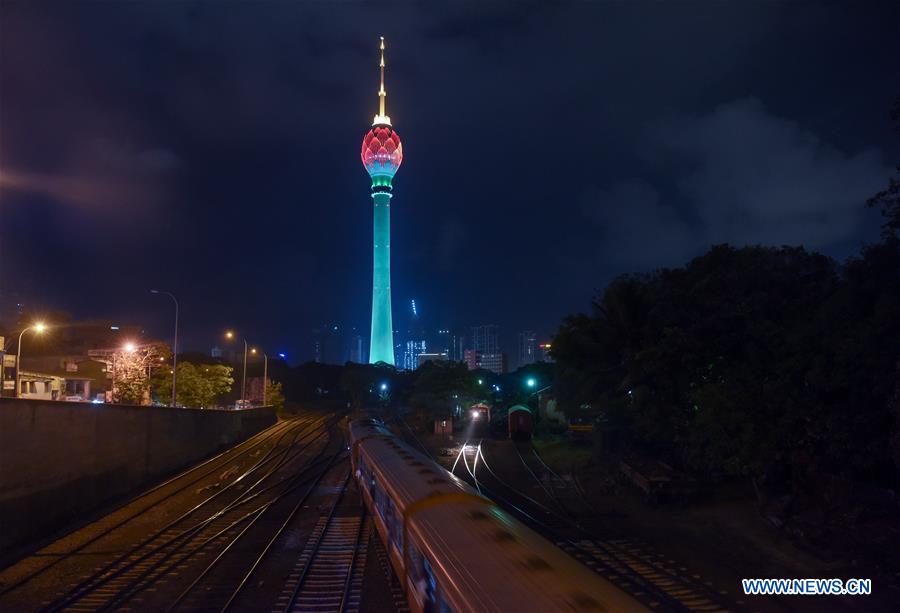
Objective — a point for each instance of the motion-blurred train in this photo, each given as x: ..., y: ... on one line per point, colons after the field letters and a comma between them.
x: 455, y: 550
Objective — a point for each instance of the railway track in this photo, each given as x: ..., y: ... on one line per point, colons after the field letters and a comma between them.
x: 660, y: 583
x: 151, y: 570
x: 397, y: 594
x: 222, y: 584
x: 328, y: 575
x: 158, y: 496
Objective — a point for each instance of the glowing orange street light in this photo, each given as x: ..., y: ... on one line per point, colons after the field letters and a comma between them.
x: 39, y: 328
x: 230, y: 335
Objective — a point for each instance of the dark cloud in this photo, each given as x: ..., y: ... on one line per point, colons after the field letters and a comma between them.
x: 635, y: 229
x: 745, y: 176
x: 216, y: 146
x: 754, y: 177
x: 104, y: 181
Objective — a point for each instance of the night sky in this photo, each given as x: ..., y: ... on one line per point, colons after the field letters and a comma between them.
x: 212, y: 149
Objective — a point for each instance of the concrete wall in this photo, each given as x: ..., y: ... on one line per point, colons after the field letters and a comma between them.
x: 60, y: 460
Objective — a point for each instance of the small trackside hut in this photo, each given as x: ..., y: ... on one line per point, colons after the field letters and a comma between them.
x: 520, y: 422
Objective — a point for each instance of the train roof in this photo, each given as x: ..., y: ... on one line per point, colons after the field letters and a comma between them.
x: 519, y: 407
x: 472, y: 542
x: 524, y: 571
x: 366, y: 427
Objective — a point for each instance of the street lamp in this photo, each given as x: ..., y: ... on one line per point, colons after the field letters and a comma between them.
x: 39, y: 328
x: 531, y: 382
x: 265, y: 374
x: 230, y: 335
x: 128, y: 347
x: 174, y: 344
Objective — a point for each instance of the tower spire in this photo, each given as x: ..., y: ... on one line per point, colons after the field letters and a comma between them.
x: 381, y: 118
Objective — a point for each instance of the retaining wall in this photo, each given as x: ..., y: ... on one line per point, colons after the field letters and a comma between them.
x: 60, y: 460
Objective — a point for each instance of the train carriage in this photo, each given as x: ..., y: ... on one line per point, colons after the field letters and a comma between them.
x: 455, y: 550
x: 480, y: 412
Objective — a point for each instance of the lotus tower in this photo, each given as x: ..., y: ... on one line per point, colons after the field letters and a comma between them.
x: 382, y: 154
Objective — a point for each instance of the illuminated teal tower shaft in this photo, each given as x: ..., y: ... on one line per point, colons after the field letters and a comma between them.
x: 381, y: 347
x: 381, y: 155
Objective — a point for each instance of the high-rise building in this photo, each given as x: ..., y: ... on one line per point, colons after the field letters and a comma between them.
x: 486, y: 339
x: 440, y: 356
x: 357, y: 349
x: 495, y: 362
x: 442, y: 341
x: 451, y: 343
x: 318, y: 345
x: 381, y: 155
x: 544, y: 352
x: 527, y: 348
x: 410, y: 358
x: 457, y: 349
x: 328, y: 344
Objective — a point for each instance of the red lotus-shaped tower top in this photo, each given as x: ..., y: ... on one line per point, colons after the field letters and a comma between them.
x: 382, y: 151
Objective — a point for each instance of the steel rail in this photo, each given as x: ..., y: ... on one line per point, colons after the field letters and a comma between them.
x: 312, y: 486
x: 349, y: 580
x: 319, y: 538
x: 277, y: 534
x: 139, y: 583
x: 251, y: 444
x: 554, y: 532
x: 109, y: 572
x: 547, y: 490
x: 624, y: 568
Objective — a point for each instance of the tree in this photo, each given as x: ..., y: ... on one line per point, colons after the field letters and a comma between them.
x: 888, y: 199
x: 747, y: 360
x: 131, y: 367
x: 199, y: 385
x: 357, y: 382
x: 439, y: 385
x: 274, y: 395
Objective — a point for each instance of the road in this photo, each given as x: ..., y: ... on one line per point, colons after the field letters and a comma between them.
x: 274, y: 523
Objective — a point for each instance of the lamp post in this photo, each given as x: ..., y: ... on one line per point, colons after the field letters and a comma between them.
x: 174, y: 345
x: 230, y: 335
x: 265, y: 374
x: 39, y: 328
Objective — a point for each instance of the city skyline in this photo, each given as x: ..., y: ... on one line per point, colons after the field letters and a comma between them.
x: 626, y: 339
x: 124, y: 167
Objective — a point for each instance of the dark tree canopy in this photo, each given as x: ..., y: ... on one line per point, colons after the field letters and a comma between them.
x: 746, y: 358
x: 888, y: 199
